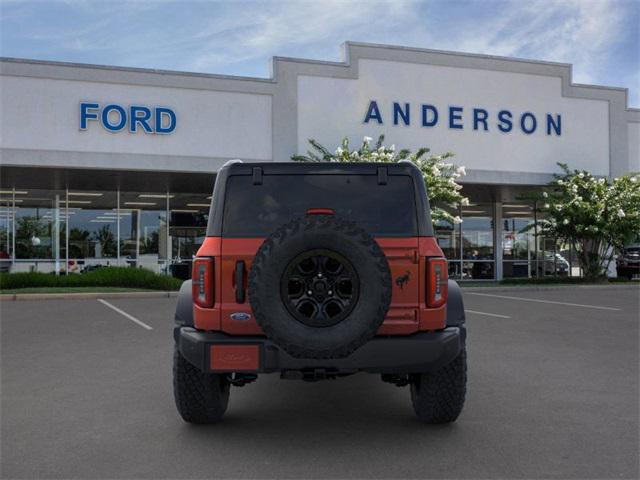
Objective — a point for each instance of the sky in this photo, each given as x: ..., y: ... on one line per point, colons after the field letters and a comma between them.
x: 601, y: 38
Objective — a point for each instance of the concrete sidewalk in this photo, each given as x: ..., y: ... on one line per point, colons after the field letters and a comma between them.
x: 84, y: 295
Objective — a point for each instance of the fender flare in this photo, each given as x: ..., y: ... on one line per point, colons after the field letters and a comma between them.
x: 184, y: 308
x: 455, y: 305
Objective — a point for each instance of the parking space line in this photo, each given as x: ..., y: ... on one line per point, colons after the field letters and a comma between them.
x: 487, y: 314
x: 125, y: 314
x: 524, y: 299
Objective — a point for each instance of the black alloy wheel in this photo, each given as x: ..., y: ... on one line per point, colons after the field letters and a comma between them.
x: 320, y: 288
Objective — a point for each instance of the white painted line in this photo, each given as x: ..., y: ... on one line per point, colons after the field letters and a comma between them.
x: 598, y: 307
x: 487, y: 314
x: 125, y: 314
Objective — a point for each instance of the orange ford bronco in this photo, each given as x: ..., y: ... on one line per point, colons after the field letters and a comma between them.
x: 318, y: 271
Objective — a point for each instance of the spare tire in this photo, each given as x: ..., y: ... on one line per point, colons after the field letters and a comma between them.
x: 320, y: 287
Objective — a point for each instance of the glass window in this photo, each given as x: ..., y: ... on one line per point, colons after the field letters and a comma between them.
x: 477, y: 232
x: 144, y: 229
x: 39, y: 227
x: 6, y: 230
x: 257, y: 210
x: 477, y: 241
x: 93, y: 231
x: 188, y: 215
x: 448, y: 236
x: 518, y: 240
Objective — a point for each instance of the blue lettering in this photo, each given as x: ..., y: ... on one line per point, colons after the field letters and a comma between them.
x: 455, y: 113
x: 162, y: 112
x: 85, y: 114
x: 425, y: 116
x: 557, y: 125
x: 373, y: 112
x: 399, y: 112
x: 139, y: 115
x: 523, y: 123
x: 105, y: 118
x: 480, y: 115
x: 504, y: 117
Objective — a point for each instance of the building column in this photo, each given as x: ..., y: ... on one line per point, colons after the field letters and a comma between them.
x: 497, y: 239
x: 56, y: 234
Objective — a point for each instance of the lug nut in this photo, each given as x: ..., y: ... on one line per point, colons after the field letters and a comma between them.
x: 309, y: 292
x: 319, y: 275
x: 330, y: 292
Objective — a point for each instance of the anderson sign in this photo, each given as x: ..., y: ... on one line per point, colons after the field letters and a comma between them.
x: 460, y: 118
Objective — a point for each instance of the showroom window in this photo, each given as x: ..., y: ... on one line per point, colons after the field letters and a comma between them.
x: 92, y: 234
x: 469, y: 246
x: 76, y: 230
x: 519, y: 250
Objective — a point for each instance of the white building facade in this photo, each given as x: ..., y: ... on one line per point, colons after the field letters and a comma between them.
x: 114, y: 166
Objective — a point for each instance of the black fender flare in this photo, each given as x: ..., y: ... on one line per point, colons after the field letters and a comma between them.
x: 455, y: 305
x: 184, y: 308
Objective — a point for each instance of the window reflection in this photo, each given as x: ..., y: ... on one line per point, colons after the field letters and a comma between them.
x: 92, y: 230
x: 6, y: 231
x: 477, y: 241
x: 518, y: 240
x: 144, y: 229
x: 448, y: 237
x: 189, y: 213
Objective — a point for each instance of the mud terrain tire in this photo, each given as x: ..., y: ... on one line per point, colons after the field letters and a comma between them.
x: 438, y: 397
x: 200, y: 397
x: 362, y: 258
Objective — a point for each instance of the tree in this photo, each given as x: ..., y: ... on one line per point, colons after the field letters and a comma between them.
x: 439, y: 175
x: 105, y: 237
x: 596, y: 216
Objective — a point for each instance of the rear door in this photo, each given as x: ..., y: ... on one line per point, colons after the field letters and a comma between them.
x: 387, y: 211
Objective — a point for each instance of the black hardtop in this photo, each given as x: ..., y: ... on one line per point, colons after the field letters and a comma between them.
x: 258, y: 169
x: 321, y: 168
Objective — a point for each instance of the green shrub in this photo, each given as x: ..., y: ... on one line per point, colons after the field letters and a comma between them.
x: 103, y: 277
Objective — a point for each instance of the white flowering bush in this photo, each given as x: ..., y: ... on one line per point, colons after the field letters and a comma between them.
x: 440, y: 176
x: 595, y: 215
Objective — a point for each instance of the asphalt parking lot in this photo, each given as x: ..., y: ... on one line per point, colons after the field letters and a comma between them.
x: 552, y: 393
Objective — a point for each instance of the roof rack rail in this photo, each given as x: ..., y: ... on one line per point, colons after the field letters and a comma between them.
x: 232, y: 162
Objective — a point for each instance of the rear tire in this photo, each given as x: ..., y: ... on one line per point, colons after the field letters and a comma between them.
x: 438, y: 397
x: 200, y: 397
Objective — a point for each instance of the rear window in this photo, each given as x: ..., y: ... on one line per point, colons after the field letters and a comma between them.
x: 257, y: 210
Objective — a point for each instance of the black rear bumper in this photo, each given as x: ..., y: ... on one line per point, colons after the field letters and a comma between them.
x: 420, y: 352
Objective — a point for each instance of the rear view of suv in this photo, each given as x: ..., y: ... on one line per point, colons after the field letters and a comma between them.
x: 318, y: 271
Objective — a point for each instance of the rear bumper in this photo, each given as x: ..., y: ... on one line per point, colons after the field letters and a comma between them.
x: 420, y: 352
x: 626, y: 268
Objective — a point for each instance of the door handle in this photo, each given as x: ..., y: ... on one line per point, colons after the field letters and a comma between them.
x: 240, y: 282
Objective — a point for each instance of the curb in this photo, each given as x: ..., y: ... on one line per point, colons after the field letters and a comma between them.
x: 84, y: 296
x: 524, y: 288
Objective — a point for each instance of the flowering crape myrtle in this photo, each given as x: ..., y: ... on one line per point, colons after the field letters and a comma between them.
x: 439, y: 175
x: 595, y: 215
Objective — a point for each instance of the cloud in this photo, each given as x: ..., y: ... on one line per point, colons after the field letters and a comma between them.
x: 246, y: 34
x: 599, y: 37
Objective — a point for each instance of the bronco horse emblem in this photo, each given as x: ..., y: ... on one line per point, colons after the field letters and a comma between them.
x: 401, y: 280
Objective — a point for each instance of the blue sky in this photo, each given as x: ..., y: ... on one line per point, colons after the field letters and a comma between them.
x: 601, y: 38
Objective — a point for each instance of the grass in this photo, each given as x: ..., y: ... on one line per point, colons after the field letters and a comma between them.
x: 72, y: 290
x: 125, y: 278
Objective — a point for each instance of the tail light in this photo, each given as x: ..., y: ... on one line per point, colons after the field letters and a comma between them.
x: 437, y: 282
x: 202, y: 282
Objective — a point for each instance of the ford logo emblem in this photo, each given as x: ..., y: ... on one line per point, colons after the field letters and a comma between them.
x: 240, y: 316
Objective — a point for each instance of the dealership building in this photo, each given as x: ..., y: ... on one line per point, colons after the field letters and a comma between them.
x: 106, y: 165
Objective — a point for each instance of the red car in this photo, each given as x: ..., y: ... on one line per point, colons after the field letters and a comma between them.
x: 318, y: 271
